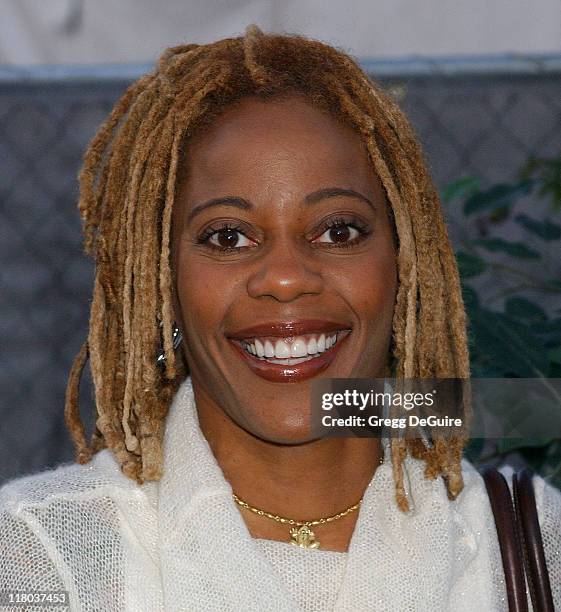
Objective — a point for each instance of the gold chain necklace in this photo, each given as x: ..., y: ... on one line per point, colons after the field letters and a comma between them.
x: 301, y: 534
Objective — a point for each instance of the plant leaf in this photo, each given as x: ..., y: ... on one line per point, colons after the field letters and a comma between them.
x: 549, y: 330
x: 521, y: 308
x: 505, y: 346
x: 473, y: 449
x: 462, y: 188
x: 516, y: 249
x: 554, y: 354
x: 546, y: 461
x: 497, y: 196
x: 546, y: 230
x: 508, y: 445
x: 469, y: 265
x: 554, y: 284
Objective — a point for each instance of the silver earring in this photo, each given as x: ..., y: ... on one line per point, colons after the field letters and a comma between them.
x: 176, y: 337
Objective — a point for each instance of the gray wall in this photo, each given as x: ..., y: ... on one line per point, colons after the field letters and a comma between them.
x: 93, y: 31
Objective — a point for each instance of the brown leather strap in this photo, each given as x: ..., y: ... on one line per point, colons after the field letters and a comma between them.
x: 531, y: 539
x: 511, y: 549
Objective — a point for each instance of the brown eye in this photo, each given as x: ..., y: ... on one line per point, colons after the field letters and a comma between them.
x: 338, y: 234
x: 227, y: 238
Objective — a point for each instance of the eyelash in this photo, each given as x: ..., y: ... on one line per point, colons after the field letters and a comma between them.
x: 331, y: 223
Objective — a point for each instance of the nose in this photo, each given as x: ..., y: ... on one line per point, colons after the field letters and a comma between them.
x: 285, y: 273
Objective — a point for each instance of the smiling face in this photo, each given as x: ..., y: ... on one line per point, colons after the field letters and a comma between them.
x: 281, y: 245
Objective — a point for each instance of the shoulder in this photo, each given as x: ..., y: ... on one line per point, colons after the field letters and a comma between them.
x: 548, y: 500
x: 548, y: 506
x: 50, y: 520
x: 94, y: 493
x: 70, y: 482
x: 548, y: 497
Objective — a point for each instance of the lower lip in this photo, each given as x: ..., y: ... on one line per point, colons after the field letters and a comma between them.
x: 278, y: 372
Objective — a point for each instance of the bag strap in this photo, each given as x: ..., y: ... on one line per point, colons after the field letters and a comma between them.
x: 507, y: 533
x: 531, y: 539
x: 520, y: 539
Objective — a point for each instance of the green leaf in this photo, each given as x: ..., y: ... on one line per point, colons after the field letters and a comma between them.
x: 554, y: 370
x: 473, y: 449
x: 469, y: 265
x: 509, y: 445
x: 499, y: 214
x: 462, y: 188
x: 497, y: 196
x: 521, y: 308
x: 554, y: 354
x: 546, y: 461
x: 549, y: 330
x: 516, y: 249
x: 547, y: 174
x: 546, y: 230
x: 505, y: 346
x: 554, y: 284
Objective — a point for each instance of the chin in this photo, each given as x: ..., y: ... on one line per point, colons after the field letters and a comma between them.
x: 293, y: 430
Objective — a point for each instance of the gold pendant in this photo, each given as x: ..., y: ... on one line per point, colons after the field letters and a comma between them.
x: 304, y: 537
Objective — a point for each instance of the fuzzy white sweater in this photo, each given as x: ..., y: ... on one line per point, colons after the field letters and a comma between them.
x: 182, y: 544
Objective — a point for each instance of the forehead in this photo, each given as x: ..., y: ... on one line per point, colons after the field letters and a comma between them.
x: 288, y: 135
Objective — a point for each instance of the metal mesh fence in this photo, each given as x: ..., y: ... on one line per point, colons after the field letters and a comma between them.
x: 482, y: 119
x: 485, y: 126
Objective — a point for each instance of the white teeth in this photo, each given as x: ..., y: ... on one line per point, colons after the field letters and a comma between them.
x: 259, y: 348
x: 282, y: 350
x: 312, y: 346
x: 299, y: 348
x: 269, y: 350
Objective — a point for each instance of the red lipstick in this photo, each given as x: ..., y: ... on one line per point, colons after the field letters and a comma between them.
x: 287, y: 329
x: 276, y: 372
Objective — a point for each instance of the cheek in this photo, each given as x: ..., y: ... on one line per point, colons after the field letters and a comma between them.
x: 370, y: 287
x: 205, y: 292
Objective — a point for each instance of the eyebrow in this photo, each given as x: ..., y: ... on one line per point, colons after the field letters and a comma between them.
x: 312, y: 198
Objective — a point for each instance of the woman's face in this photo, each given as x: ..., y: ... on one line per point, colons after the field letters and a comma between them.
x: 281, y: 242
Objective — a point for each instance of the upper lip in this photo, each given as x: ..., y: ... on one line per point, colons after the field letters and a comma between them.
x: 287, y: 329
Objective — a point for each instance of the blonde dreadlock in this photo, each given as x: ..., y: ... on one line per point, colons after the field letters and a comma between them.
x: 127, y: 189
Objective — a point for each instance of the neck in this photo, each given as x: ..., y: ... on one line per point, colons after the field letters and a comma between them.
x: 303, y: 481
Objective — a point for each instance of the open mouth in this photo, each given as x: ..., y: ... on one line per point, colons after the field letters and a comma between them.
x: 290, y: 350
x: 292, y: 358
x: 293, y: 350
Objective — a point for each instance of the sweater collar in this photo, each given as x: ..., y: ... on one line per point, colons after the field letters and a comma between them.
x: 191, y: 472
x: 207, y: 552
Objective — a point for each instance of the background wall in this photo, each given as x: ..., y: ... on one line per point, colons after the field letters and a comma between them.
x: 93, y: 31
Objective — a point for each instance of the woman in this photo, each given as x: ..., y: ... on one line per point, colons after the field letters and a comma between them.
x: 262, y: 198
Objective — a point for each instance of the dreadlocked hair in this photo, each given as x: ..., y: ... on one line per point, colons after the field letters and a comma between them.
x: 128, y: 184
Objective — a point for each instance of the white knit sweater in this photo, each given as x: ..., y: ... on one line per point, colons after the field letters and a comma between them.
x: 313, y: 577
x: 182, y: 544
